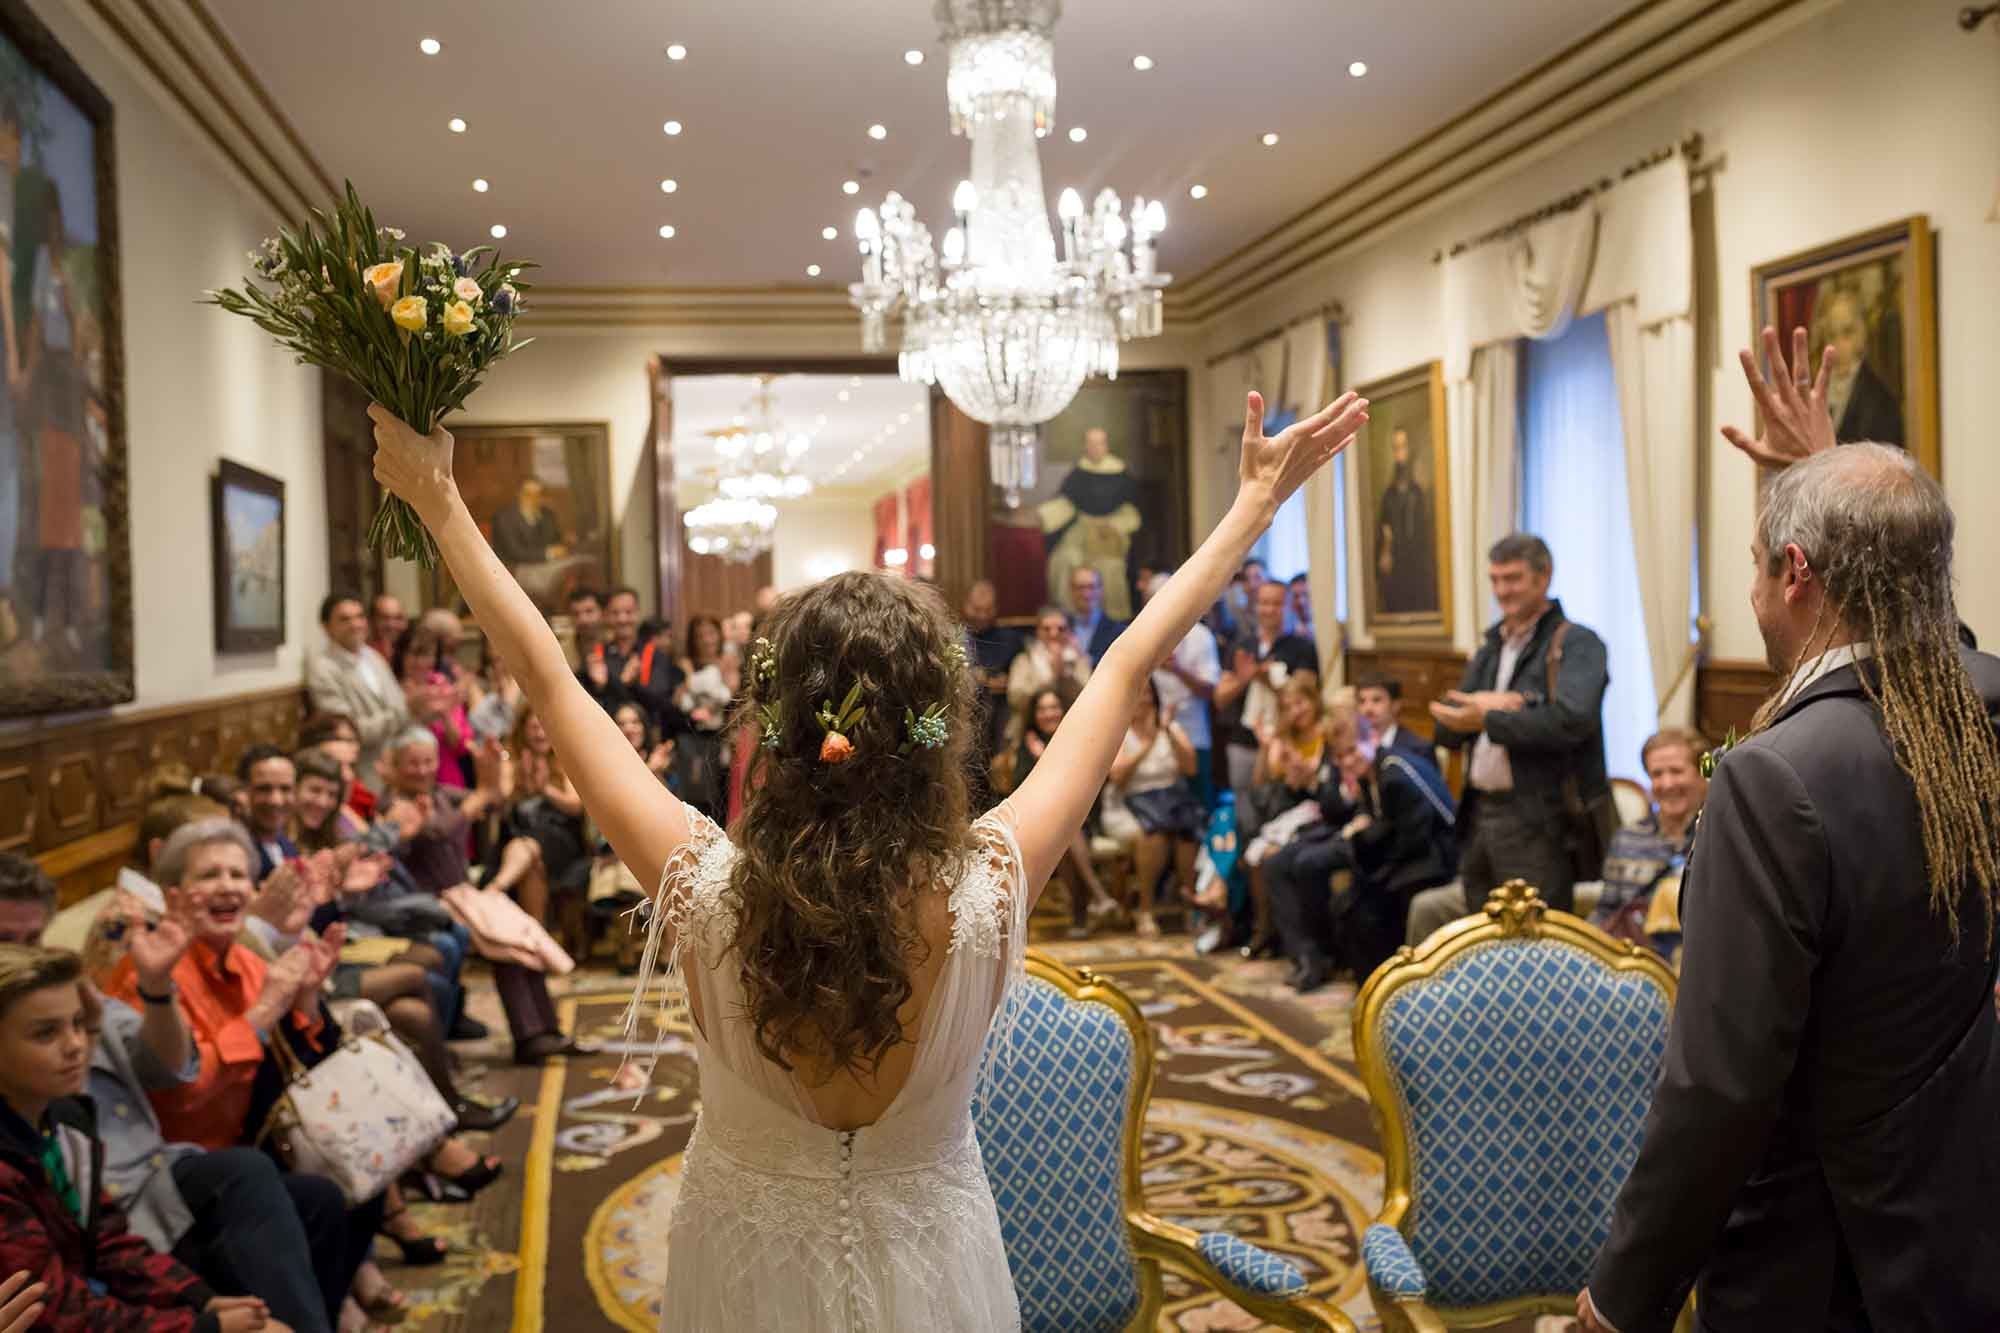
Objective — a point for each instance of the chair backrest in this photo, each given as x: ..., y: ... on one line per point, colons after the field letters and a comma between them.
x: 1512, y: 1059
x: 1635, y: 803
x: 1059, y: 1139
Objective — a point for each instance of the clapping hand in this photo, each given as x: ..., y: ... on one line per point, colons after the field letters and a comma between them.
x: 156, y: 948
x: 284, y: 899
x: 629, y: 673
x: 322, y: 956
x: 1797, y: 424
x: 662, y: 757
x: 283, y: 980
x: 594, y: 667
x: 366, y: 873
x: 1281, y: 464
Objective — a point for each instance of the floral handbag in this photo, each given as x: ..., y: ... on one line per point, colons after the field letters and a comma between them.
x: 360, y: 1117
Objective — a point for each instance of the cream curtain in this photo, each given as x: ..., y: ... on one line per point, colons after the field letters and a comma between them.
x: 1485, y: 414
x: 1306, y: 391
x: 1655, y: 370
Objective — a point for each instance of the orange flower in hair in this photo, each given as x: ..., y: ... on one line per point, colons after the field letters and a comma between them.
x: 835, y: 749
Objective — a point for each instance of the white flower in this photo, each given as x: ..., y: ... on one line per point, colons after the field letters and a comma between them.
x: 465, y: 289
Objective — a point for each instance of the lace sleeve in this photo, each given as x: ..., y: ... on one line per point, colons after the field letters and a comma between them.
x: 683, y: 879
x: 991, y: 889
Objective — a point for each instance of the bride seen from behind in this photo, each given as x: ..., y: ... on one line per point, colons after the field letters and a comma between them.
x: 846, y: 949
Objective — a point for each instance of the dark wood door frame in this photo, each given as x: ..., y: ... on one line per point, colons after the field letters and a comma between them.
x: 660, y: 373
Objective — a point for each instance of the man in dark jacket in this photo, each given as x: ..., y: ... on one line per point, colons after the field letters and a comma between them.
x: 1821, y: 1151
x: 1528, y: 735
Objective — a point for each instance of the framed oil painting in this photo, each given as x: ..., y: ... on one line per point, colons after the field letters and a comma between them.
x: 542, y: 496
x: 1404, y: 496
x: 248, y: 511
x: 1110, y: 495
x: 65, y: 557
x: 1872, y: 297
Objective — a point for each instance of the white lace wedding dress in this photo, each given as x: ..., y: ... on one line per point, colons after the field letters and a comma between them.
x: 783, y: 1223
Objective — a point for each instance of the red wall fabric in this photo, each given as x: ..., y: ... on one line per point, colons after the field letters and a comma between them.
x: 917, y: 508
x: 1018, y: 563
x: 888, y: 528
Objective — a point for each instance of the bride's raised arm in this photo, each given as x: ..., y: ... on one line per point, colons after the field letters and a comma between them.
x: 1052, y: 802
x: 643, y: 821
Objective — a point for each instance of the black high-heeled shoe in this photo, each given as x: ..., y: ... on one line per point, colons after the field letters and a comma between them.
x: 438, y: 1187
x: 422, y: 1252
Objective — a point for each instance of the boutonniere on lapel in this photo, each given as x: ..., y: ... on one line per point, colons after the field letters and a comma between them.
x: 1713, y: 759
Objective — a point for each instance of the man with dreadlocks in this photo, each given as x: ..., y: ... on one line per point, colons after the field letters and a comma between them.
x: 1821, y: 1150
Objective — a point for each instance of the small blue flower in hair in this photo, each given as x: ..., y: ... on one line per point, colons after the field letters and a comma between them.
x: 926, y: 730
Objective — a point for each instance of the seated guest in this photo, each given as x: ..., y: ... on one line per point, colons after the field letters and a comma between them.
x: 1053, y: 659
x: 1034, y: 727
x: 386, y: 622
x: 1282, y: 786
x: 1255, y: 668
x: 540, y: 852
x: 1299, y: 607
x: 1149, y: 806
x: 348, y: 677
x: 95, y: 1273
x: 1648, y: 858
x: 27, y: 900
x: 269, y: 778
x: 432, y: 825
x: 336, y: 736
x: 661, y: 755
x: 1186, y: 682
x: 1376, y: 697
x: 990, y: 649
x: 1094, y: 630
x: 1403, y: 833
x: 433, y: 701
x: 492, y: 713
x: 708, y: 687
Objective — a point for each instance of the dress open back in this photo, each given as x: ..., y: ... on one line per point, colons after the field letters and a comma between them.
x: 783, y: 1223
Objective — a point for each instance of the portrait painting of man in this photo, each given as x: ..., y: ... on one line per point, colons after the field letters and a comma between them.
x: 543, y: 496
x: 1400, y: 460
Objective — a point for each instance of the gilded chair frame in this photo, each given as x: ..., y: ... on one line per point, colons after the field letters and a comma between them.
x: 1515, y: 910
x: 1159, y: 1245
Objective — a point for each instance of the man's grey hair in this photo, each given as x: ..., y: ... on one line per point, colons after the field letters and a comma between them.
x: 1522, y: 548
x: 215, y: 831
x: 1862, y: 497
x: 407, y: 737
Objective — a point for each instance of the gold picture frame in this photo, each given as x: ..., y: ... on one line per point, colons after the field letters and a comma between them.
x: 1405, y: 536
x: 1874, y: 294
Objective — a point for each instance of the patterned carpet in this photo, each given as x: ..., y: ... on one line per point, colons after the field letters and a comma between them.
x: 1258, y: 1126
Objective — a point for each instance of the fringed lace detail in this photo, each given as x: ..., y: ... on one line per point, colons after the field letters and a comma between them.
x: 671, y: 908
x: 989, y: 911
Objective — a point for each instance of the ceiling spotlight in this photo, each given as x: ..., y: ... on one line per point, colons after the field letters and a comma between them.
x: 878, y: 131
x: 672, y: 127
x: 481, y: 186
x: 1077, y: 134
x: 1197, y: 192
x: 828, y: 233
x: 1142, y: 63
x: 1358, y: 68
x: 669, y: 185
x: 913, y: 57
x: 430, y: 46
x: 677, y: 52
x: 812, y: 270
x: 1270, y: 141
x: 497, y: 232
x: 820, y: 420
x: 853, y: 381
x: 842, y: 396
x: 456, y: 125
x: 667, y: 232
x: 850, y: 187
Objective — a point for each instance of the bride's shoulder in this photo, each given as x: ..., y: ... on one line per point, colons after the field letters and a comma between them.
x: 988, y: 882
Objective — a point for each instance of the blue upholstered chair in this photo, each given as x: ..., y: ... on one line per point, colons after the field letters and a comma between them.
x: 1509, y: 1060
x: 1061, y: 1140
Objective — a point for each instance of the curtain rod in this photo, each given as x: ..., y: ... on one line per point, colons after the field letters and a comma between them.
x: 1332, y: 309
x: 1690, y: 148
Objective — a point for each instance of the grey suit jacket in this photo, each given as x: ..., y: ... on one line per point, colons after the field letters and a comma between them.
x: 1823, y: 1148
x: 336, y: 686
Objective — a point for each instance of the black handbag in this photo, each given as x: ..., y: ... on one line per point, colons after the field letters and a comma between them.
x: 1587, y: 824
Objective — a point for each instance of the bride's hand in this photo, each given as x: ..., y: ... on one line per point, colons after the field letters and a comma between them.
x: 1281, y: 465
x: 413, y: 469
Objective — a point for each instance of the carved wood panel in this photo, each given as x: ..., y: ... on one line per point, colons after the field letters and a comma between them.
x: 1727, y: 695
x: 19, y: 810
x: 68, y: 788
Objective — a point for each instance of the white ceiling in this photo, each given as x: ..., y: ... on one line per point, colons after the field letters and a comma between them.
x: 565, y: 105
x: 877, y: 416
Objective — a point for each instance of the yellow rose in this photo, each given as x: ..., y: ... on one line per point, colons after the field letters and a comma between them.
x: 383, y: 280
x: 410, y: 313
x: 465, y: 289
x: 458, y: 319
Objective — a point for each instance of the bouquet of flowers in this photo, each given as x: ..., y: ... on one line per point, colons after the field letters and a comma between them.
x: 415, y: 329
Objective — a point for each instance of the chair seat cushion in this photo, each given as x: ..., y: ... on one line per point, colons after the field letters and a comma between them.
x: 1392, y: 1269
x: 1249, y: 1267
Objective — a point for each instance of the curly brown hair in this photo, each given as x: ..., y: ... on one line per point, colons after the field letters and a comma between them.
x: 835, y: 858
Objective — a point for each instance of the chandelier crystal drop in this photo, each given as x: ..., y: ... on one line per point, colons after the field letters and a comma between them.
x: 993, y: 316
x: 735, y: 529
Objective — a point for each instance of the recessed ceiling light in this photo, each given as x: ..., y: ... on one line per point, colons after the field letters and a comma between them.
x: 842, y: 396
x: 456, y: 125
x: 857, y: 455
x: 913, y: 57
x: 853, y: 381
x: 878, y: 131
x: 497, y: 232
x: 1197, y: 192
x: 669, y: 185
x: 667, y: 232
x: 821, y: 420
x: 430, y: 46
x: 1270, y: 141
x: 1358, y: 68
x: 1142, y: 63
x: 812, y: 270
x: 672, y: 127
x: 850, y: 187
x: 828, y: 233
x: 677, y: 52
x: 481, y: 185
x: 1077, y: 134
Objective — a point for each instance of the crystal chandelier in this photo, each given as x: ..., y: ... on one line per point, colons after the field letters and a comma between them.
x: 758, y: 465
x: 735, y: 529
x: 1009, y: 331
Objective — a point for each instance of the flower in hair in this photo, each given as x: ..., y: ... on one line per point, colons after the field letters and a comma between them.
x: 837, y: 748
x: 954, y: 653
x: 770, y: 726
x: 927, y: 730
x: 763, y: 663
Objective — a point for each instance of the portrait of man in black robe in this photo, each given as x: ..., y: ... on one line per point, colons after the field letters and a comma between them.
x: 1405, y: 554
x: 527, y: 532
x: 1089, y: 525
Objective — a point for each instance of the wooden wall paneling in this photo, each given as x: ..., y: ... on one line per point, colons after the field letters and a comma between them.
x: 960, y: 498
x: 67, y: 789
x: 1425, y: 674
x: 20, y: 810
x: 205, y: 741
x: 713, y: 586
x: 1727, y: 695
x: 233, y: 735
x: 666, y: 500
x: 121, y: 775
